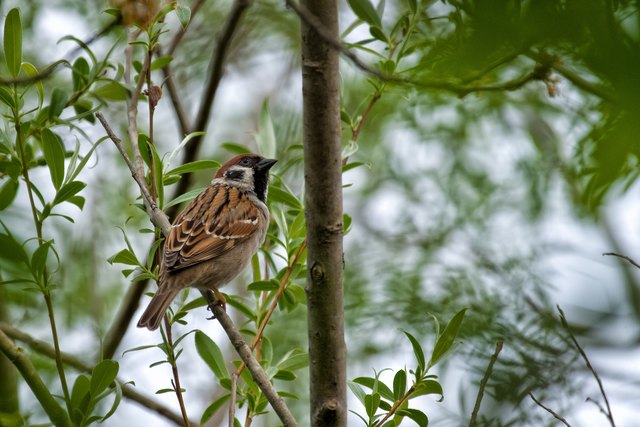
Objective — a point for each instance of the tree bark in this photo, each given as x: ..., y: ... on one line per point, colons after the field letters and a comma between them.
x: 323, y: 189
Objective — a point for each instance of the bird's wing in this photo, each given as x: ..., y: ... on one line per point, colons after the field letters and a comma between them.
x: 216, y: 221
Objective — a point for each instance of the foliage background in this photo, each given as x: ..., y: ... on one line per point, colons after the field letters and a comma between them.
x: 500, y: 201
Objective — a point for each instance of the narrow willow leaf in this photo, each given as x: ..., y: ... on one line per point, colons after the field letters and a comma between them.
x: 103, y: 375
x: 13, y: 41
x: 53, y: 151
x: 446, y: 340
x: 213, y: 408
x: 211, y: 354
x: 365, y: 11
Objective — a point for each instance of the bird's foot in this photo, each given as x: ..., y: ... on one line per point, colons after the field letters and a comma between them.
x: 214, y: 297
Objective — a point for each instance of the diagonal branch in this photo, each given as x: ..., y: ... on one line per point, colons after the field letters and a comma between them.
x: 16, y: 355
x: 74, y: 362
x: 551, y: 411
x: 483, y: 384
x: 606, y: 412
x: 257, y: 373
x: 158, y: 218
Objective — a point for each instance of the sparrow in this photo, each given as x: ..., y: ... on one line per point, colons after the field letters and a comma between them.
x: 215, y: 236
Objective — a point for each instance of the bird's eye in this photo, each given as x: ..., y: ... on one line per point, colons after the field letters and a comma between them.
x: 245, y: 161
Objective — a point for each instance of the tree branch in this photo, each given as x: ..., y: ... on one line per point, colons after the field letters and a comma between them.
x: 565, y: 324
x: 245, y: 353
x: 74, y: 362
x: 631, y: 261
x: 483, y: 384
x: 16, y: 355
x: 549, y: 410
x: 158, y: 218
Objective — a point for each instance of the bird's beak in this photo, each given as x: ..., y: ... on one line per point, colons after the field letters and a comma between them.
x: 265, y: 164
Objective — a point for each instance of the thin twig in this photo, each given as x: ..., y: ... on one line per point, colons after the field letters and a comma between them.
x: 396, y: 406
x: 549, y: 410
x: 631, y: 261
x: 158, y: 218
x: 483, y: 384
x: 132, y: 110
x: 274, y: 303
x: 174, y: 370
x: 256, y: 371
x: 565, y: 324
x: 74, y: 362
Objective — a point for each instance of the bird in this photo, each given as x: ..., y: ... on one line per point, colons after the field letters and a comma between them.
x: 215, y: 236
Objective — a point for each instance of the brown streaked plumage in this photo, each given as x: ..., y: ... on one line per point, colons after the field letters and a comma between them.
x: 215, y: 236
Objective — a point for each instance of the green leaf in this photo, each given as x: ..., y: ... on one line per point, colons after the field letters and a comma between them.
x: 6, y: 97
x: 427, y: 387
x: 58, y: 102
x: 279, y: 195
x: 285, y: 375
x: 11, y: 250
x: 13, y: 41
x: 264, y: 285
x: 54, y: 156
x: 184, y: 15
x: 417, y: 350
x: 112, y: 91
x: 213, y: 408
x: 116, y: 402
x: 68, y: 190
x: 211, y: 354
x: 371, y: 403
x: 39, y: 257
x: 235, y: 148
x: 399, y: 384
x: 161, y: 62
x: 103, y: 375
x: 446, y: 340
x: 357, y: 390
x: 365, y: 11
x: 416, y: 415
x: 194, y: 166
x: 379, y: 34
x: 125, y: 256
x: 31, y: 71
x: 266, y: 137
x: 80, y: 72
x: 371, y: 383
x: 188, y: 196
x: 293, y: 360
x: 80, y: 397
x: 8, y: 192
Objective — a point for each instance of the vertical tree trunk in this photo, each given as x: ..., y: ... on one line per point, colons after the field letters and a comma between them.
x: 323, y: 189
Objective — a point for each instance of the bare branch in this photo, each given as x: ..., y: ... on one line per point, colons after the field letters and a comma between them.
x: 565, y: 324
x: 70, y: 360
x: 549, y: 410
x: 158, y: 218
x: 631, y: 261
x: 232, y: 404
x: 256, y: 371
x: 483, y: 384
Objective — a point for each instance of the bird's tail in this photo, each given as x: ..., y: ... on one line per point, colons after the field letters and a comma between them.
x: 158, y: 305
